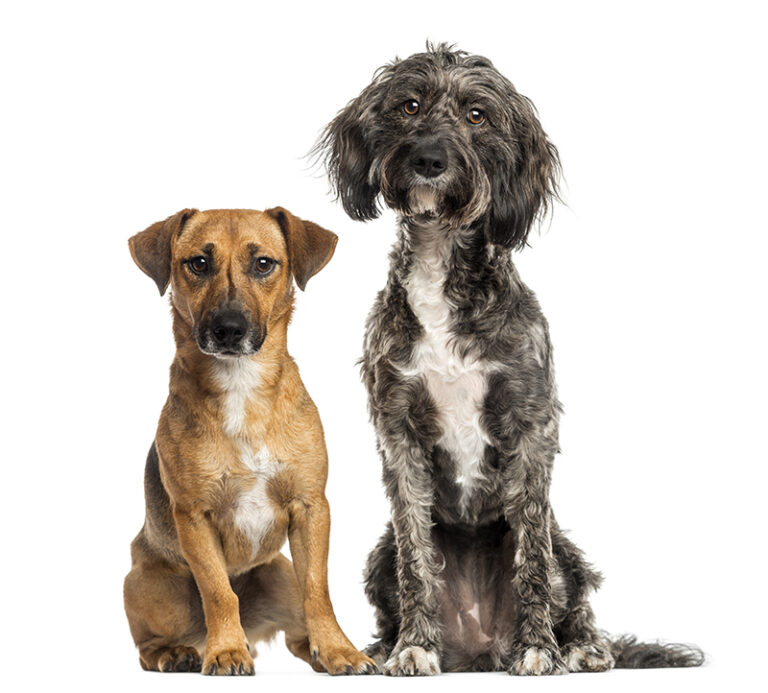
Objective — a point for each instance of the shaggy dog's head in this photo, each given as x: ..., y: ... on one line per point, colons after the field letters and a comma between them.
x: 443, y: 134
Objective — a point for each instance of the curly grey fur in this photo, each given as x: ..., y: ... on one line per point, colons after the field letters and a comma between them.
x: 473, y: 572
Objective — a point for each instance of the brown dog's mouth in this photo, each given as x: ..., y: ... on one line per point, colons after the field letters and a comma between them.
x: 247, y: 345
x: 228, y: 355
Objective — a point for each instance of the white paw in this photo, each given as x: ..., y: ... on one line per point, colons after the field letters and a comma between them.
x: 412, y: 661
x: 587, y: 657
x: 537, y: 661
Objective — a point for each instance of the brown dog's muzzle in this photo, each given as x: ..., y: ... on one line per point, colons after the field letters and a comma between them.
x: 229, y: 331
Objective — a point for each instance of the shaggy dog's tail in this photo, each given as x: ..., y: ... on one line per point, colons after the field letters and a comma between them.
x: 630, y: 654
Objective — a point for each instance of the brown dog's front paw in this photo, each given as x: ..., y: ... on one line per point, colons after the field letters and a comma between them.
x: 228, y: 662
x: 413, y: 661
x: 343, y: 659
x: 537, y: 661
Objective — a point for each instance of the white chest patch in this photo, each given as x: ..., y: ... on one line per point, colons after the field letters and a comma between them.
x: 238, y: 378
x: 457, y: 384
x: 254, y: 515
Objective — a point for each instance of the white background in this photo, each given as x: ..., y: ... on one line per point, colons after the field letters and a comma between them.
x: 117, y: 115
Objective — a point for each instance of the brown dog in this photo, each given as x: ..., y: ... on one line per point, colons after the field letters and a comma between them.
x: 239, y: 459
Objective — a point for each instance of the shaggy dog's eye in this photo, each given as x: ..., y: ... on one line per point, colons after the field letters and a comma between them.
x: 475, y: 116
x: 264, y: 265
x: 411, y: 107
x: 199, y: 265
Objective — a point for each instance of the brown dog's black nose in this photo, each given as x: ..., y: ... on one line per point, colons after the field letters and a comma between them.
x: 228, y: 328
x: 429, y: 160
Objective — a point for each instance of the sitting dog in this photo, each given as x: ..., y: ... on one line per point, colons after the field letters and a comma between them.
x: 473, y: 572
x: 239, y: 459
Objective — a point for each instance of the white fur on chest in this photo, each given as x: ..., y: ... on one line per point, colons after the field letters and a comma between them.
x: 457, y: 384
x: 238, y: 378
x: 253, y: 515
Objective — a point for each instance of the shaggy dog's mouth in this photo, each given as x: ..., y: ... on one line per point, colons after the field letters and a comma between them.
x: 424, y: 198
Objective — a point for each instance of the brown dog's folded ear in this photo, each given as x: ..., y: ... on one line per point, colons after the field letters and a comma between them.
x: 151, y: 248
x: 310, y: 247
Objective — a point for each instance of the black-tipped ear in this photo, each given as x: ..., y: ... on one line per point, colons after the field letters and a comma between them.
x: 310, y: 247
x: 151, y: 248
x: 523, y: 192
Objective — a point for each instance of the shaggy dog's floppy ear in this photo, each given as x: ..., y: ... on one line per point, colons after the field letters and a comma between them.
x: 310, y: 247
x: 151, y: 248
x: 522, y: 191
x: 348, y: 155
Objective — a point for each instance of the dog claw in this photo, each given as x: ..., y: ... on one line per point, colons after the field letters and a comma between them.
x: 230, y: 663
x: 413, y: 661
x: 538, y: 661
x: 343, y: 660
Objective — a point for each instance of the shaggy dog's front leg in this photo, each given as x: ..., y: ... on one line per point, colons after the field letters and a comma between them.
x: 402, y: 418
x: 417, y: 651
x: 535, y: 650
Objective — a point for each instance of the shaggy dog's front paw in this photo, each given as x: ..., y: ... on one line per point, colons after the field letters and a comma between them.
x: 412, y: 661
x: 537, y: 661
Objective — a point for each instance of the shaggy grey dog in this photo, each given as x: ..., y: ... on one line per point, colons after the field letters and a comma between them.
x: 473, y: 572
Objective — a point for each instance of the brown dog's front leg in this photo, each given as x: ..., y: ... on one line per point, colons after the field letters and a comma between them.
x: 226, y: 649
x: 308, y: 535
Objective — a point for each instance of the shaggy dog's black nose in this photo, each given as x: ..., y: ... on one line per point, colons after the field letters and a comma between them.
x: 228, y: 328
x: 429, y: 160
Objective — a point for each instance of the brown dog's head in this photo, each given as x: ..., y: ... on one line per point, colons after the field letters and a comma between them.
x: 231, y: 271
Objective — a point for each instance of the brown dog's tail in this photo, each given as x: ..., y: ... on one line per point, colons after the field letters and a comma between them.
x: 630, y: 654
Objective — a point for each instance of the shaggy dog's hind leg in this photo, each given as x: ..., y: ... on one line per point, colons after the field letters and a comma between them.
x: 381, y: 588
x: 582, y: 647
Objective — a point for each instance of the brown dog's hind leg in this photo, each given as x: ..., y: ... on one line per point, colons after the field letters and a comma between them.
x: 171, y: 659
x: 165, y: 616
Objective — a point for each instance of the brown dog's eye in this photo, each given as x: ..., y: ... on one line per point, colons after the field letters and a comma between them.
x: 475, y: 116
x: 199, y: 265
x: 411, y: 107
x: 264, y: 265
